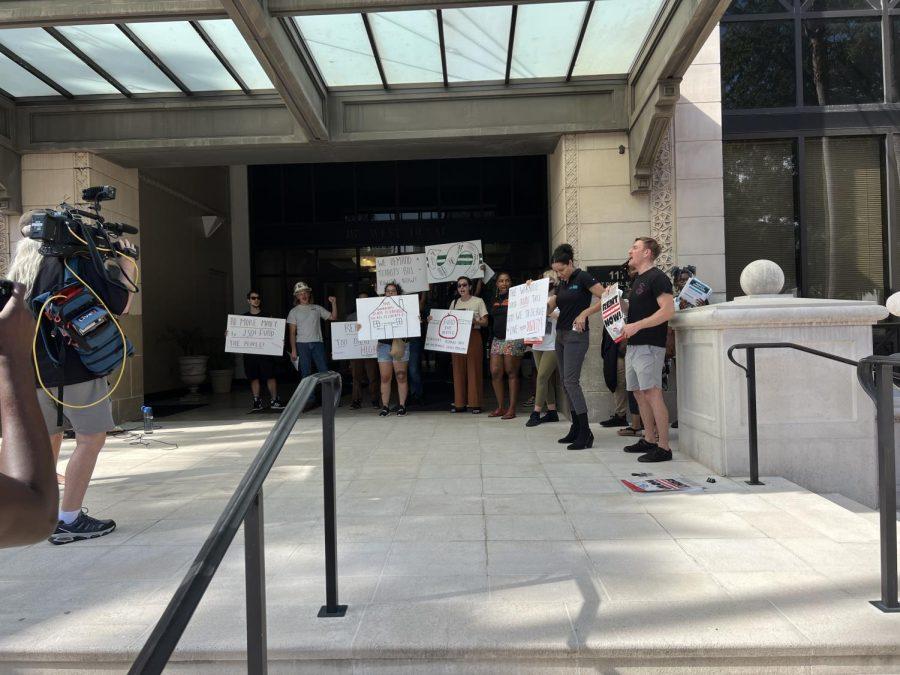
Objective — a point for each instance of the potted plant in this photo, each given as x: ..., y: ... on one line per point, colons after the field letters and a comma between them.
x: 221, y: 371
x: 192, y: 362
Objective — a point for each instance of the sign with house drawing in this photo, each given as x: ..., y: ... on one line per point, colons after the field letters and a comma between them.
x: 448, y: 262
x: 387, y: 317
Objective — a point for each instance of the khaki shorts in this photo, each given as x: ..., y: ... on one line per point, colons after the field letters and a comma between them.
x: 643, y: 367
x: 97, y: 419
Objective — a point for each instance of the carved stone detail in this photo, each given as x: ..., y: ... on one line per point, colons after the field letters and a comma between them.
x: 4, y: 244
x: 662, y: 202
x: 570, y: 168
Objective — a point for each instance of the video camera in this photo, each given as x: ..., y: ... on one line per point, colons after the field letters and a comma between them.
x: 68, y: 231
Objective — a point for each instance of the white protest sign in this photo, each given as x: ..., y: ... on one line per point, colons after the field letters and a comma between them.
x: 387, y: 317
x: 488, y: 273
x: 448, y: 331
x: 345, y: 345
x: 448, y: 262
x: 408, y: 270
x: 613, y: 316
x: 527, y: 315
x: 694, y: 292
x: 254, y: 335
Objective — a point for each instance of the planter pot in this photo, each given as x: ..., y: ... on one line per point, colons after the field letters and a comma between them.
x: 221, y: 380
x: 193, y: 373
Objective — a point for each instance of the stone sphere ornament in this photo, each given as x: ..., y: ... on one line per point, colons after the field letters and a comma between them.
x: 893, y: 304
x: 762, y: 277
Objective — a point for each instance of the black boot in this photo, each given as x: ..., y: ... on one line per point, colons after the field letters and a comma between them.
x: 585, y: 438
x: 573, y: 431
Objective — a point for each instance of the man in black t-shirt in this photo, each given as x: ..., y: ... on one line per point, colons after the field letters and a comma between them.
x: 259, y: 367
x: 651, y: 305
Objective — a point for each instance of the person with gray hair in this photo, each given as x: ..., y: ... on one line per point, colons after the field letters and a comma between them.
x: 67, y: 389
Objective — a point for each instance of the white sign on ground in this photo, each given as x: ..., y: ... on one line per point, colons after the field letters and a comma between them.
x: 448, y: 262
x: 408, y: 270
x: 527, y: 316
x: 448, y: 331
x: 613, y: 316
x: 387, y: 317
x: 346, y: 345
x: 254, y: 335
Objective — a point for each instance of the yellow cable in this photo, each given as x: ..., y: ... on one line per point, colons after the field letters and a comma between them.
x: 34, y: 347
x: 137, y: 270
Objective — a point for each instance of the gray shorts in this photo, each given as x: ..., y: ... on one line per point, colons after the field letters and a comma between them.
x: 643, y: 367
x: 97, y: 419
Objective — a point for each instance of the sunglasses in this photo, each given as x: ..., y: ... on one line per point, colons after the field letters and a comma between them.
x: 254, y: 297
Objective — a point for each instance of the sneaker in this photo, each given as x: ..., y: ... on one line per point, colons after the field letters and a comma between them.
x: 257, y: 405
x: 615, y: 421
x: 355, y: 405
x: 657, y: 454
x: 534, y: 419
x: 551, y: 416
x: 83, y: 527
x: 384, y: 412
x: 641, y: 446
x: 401, y: 410
x: 276, y: 404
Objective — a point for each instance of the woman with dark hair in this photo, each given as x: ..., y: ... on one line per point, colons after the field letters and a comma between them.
x: 393, y: 361
x: 506, y: 355
x: 573, y: 298
x: 468, y: 376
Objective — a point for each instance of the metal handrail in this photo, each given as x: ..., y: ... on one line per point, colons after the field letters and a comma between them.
x: 246, y: 507
x: 875, y: 374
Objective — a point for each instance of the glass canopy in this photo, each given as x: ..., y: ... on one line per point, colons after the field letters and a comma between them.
x: 473, y: 44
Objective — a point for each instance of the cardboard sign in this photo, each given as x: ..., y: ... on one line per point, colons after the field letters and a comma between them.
x: 345, y: 344
x: 694, y: 292
x: 409, y: 270
x: 527, y: 316
x: 448, y: 331
x: 387, y: 317
x: 448, y: 262
x: 613, y: 316
x: 254, y: 335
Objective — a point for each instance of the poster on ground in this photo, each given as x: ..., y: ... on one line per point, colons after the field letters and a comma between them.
x: 408, y: 270
x: 448, y: 262
x: 448, y: 331
x: 527, y: 316
x: 254, y: 335
x: 346, y: 345
x: 613, y: 316
x: 694, y: 292
x: 388, y: 316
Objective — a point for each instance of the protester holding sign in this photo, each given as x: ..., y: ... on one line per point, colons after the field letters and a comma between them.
x: 506, y: 355
x: 468, y: 374
x: 305, y: 329
x: 544, y: 354
x: 258, y: 367
x: 393, y: 361
x: 697, y: 293
x: 574, y: 294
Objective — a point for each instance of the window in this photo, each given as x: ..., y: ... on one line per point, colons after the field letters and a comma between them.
x: 834, y: 5
x: 755, y: 7
x: 843, y: 207
x: 754, y: 77
x: 760, y: 220
x: 842, y: 61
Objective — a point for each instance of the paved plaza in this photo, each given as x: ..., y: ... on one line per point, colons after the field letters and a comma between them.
x: 466, y: 544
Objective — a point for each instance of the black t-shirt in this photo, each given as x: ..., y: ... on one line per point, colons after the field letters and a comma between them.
x: 50, y: 276
x: 573, y: 297
x: 258, y: 357
x: 645, y: 289
x: 499, y: 311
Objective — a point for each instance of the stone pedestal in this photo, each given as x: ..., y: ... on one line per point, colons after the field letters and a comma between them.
x: 816, y: 424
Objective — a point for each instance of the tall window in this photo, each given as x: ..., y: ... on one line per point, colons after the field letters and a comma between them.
x: 842, y: 61
x: 760, y: 220
x: 754, y: 77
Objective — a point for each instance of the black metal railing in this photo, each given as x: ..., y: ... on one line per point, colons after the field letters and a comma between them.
x: 246, y: 507
x: 876, y: 376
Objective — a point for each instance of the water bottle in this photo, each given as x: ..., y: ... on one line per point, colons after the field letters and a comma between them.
x: 148, y: 419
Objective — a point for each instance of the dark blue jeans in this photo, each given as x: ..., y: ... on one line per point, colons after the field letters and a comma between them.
x: 416, y: 387
x: 309, y: 353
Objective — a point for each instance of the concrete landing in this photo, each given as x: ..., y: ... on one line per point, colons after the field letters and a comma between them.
x: 466, y: 544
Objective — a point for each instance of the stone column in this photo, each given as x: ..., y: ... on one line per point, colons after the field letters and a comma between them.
x: 47, y: 180
x: 662, y: 202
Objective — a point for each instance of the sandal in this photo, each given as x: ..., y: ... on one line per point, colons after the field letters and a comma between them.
x: 497, y: 413
x: 509, y: 415
x: 630, y: 431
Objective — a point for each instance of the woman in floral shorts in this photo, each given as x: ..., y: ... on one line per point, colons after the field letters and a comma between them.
x: 506, y: 355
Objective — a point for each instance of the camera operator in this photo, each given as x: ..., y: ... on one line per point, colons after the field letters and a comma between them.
x: 28, y: 493
x: 79, y: 386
